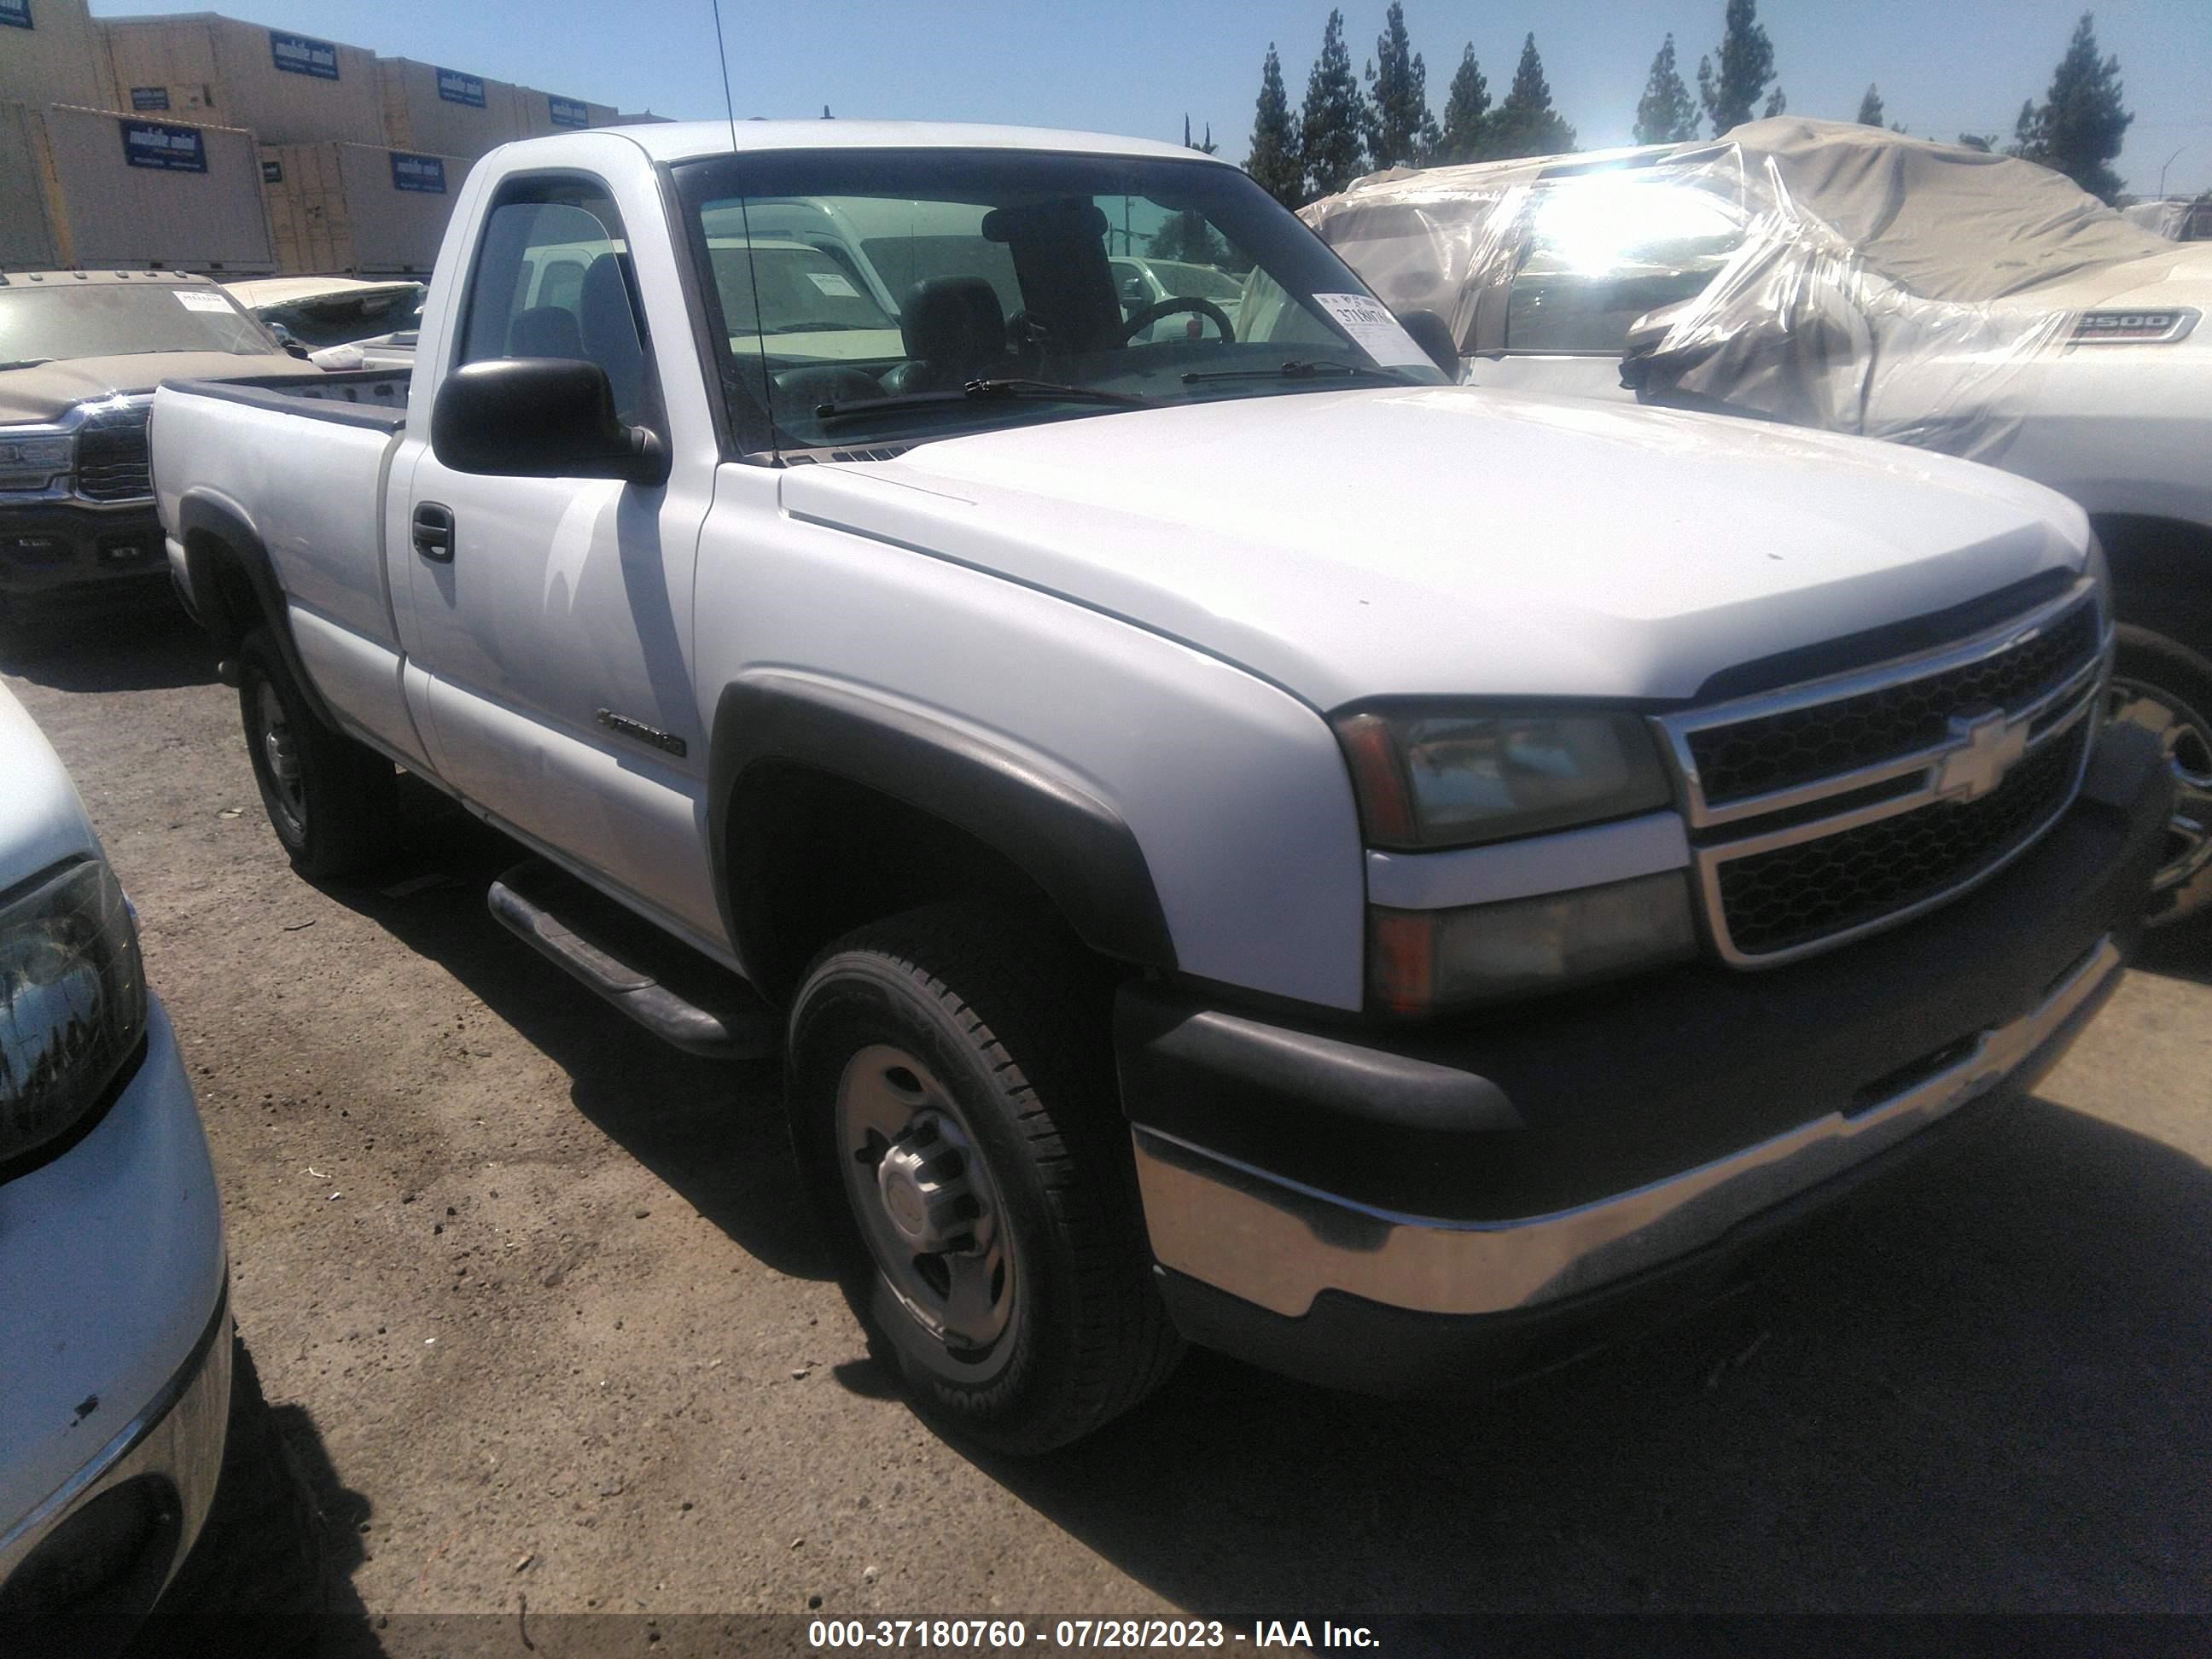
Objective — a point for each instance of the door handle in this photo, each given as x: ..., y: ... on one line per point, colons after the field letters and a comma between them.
x: 433, y: 532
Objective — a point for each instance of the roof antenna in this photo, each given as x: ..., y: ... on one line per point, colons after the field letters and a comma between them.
x: 744, y: 219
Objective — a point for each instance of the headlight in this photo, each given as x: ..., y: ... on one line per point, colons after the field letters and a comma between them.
x: 28, y: 463
x: 1420, y: 961
x: 1452, y: 778
x: 72, y: 1001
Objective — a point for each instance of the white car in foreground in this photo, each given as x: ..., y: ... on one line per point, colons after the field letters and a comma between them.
x: 117, y: 1397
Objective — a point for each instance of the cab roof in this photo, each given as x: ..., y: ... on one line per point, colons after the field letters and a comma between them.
x: 684, y: 141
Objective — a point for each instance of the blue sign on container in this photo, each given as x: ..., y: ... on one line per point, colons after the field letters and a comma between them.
x: 145, y: 98
x: 456, y: 87
x: 299, y: 55
x: 168, y: 148
x: 566, y: 112
x: 422, y: 173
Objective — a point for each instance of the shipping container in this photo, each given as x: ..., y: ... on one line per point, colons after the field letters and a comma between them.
x: 51, y: 52
x: 288, y: 88
x: 443, y: 112
x: 358, y: 209
x: 544, y: 114
x: 92, y: 188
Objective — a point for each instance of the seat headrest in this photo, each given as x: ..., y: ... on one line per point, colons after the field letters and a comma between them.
x: 953, y: 320
x: 545, y: 331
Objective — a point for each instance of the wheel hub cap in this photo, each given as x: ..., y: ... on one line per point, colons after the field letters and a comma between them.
x: 928, y: 1208
x: 923, y: 1180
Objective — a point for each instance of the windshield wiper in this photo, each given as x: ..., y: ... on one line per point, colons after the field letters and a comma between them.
x: 25, y: 362
x: 1318, y: 369
x: 981, y: 391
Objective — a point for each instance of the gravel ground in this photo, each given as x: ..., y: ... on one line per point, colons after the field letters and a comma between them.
x: 538, y: 1308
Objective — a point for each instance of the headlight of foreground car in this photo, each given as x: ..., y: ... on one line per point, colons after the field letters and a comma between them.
x: 72, y: 1001
x: 1432, y: 778
x: 28, y: 463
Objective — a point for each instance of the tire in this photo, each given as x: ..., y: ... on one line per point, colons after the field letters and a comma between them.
x: 256, y: 1581
x: 2161, y: 684
x: 995, y: 1036
x: 333, y: 803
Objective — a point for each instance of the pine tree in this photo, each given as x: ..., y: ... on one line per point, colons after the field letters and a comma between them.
x: 1397, y: 117
x: 1778, y: 102
x: 1274, y: 161
x: 1466, y: 111
x: 1665, y: 115
x: 1746, y: 64
x: 2080, y: 125
x: 1526, y: 124
x: 1871, y: 113
x: 1333, y: 125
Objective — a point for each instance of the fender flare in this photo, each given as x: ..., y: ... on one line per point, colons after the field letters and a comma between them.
x: 202, y: 519
x: 1056, y: 831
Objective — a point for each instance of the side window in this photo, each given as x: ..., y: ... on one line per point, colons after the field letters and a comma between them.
x: 1602, y: 251
x: 553, y: 279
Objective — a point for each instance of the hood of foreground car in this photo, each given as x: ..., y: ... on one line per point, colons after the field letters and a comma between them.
x: 50, y: 391
x: 1450, y: 540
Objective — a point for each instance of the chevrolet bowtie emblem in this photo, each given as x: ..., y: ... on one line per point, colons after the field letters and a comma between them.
x: 1982, y: 750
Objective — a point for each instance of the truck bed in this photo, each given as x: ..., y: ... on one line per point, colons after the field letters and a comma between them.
x: 374, y: 398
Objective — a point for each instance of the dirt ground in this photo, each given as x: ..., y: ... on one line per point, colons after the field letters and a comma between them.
x: 536, y: 1302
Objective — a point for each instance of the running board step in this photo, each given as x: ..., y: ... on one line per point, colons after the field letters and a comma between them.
x: 677, y: 994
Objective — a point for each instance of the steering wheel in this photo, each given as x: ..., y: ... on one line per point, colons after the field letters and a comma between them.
x: 1168, y: 308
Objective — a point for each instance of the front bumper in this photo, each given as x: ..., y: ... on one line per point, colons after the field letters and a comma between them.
x: 1378, y: 1209
x: 115, y: 1384
x: 64, y: 550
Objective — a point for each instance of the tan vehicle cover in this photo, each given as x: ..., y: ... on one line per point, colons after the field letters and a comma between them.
x: 1868, y: 283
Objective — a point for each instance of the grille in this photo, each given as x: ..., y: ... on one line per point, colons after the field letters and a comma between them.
x: 1802, y: 745
x: 1776, y: 901
x: 111, y: 460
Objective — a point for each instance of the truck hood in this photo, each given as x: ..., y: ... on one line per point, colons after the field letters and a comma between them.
x: 2181, y: 278
x: 1451, y: 540
x: 50, y: 391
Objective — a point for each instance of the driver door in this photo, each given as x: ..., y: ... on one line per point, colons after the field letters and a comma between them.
x: 553, y: 615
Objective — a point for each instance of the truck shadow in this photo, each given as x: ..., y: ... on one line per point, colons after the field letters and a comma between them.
x: 696, y: 1124
x: 1978, y: 1387
x: 147, y: 645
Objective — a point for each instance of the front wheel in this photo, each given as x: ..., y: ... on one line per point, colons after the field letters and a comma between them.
x: 2165, y: 688
x: 951, y: 1096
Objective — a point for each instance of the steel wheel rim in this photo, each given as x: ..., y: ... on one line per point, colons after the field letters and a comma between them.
x: 280, y: 756
x: 2185, y: 737
x: 928, y: 1210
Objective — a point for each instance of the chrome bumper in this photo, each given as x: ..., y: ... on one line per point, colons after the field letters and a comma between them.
x: 1278, y: 1243
x: 177, y: 1438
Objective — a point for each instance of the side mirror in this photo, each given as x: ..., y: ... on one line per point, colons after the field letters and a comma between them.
x: 1433, y: 335
x: 294, y: 347
x: 540, y: 418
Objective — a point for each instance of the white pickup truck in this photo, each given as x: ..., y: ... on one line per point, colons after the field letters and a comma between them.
x: 1237, y: 839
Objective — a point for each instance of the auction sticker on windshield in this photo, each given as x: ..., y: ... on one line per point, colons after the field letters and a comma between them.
x: 1373, y: 329
x: 837, y: 287
x: 199, y: 299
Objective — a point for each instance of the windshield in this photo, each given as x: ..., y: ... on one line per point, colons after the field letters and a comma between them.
x: 341, y: 319
x: 861, y: 293
x: 110, y: 319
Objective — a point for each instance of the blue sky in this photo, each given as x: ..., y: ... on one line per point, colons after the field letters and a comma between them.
x: 1137, y: 66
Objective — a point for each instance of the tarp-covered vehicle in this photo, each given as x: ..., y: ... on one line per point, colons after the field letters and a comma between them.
x: 1843, y: 278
